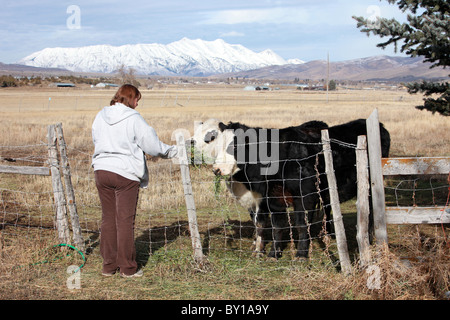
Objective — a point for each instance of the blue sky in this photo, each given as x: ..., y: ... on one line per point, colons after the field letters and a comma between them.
x: 301, y: 29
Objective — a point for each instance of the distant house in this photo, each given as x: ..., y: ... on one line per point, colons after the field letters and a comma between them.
x: 302, y: 86
x: 63, y: 85
x: 104, y: 85
x: 258, y: 88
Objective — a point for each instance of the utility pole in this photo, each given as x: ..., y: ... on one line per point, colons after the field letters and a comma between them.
x: 328, y: 73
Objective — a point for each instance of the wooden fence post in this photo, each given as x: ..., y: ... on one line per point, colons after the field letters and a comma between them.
x: 58, y: 192
x: 341, y: 238
x: 189, y: 198
x: 70, y: 194
x: 362, y: 204
x: 376, y: 178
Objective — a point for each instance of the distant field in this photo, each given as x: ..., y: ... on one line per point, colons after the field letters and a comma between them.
x: 225, y: 227
x: 25, y: 112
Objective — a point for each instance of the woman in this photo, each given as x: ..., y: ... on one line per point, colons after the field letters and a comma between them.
x: 122, y: 137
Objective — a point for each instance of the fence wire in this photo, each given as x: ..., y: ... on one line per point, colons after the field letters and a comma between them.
x: 226, y: 228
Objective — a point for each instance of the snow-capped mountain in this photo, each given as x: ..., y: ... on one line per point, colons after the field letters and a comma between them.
x: 183, y: 57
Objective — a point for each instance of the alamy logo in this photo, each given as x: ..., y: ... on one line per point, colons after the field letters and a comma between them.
x: 255, y: 147
x: 231, y: 147
x: 74, y: 20
x: 374, y: 278
x: 374, y: 13
x: 74, y: 280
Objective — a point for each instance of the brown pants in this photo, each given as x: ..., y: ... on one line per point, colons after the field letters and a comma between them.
x: 118, y: 197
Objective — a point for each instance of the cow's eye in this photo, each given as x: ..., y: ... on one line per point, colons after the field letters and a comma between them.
x: 211, y: 136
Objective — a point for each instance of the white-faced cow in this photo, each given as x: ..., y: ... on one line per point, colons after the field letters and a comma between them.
x: 270, y: 170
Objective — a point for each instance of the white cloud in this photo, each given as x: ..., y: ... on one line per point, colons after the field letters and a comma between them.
x: 262, y: 16
x: 232, y: 34
x: 337, y: 13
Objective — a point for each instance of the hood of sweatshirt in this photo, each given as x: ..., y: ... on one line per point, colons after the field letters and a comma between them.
x: 116, y: 113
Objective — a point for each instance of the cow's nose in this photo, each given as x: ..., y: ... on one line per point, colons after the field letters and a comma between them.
x: 217, y: 171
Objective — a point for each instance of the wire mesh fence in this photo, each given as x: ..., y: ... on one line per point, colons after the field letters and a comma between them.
x: 226, y: 228
x: 161, y: 226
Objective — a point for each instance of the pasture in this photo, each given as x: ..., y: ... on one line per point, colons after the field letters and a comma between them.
x: 415, y: 267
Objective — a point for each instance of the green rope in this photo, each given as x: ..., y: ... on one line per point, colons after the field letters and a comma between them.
x: 75, y: 249
x: 62, y: 245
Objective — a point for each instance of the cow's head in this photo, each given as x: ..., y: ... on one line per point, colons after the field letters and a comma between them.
x: 225, y: 163
x: 215, y: 143
x: 229, y: 145
x: 204, y: 139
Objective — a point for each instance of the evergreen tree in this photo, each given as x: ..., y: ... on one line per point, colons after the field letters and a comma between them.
x: 332, y: 85
x: 425, y: 34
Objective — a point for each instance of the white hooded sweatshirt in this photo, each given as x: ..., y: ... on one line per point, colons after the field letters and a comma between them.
x: 121, y: 136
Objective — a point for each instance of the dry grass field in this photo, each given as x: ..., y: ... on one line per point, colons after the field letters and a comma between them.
x: 415, y: 133
x: 170, y: 273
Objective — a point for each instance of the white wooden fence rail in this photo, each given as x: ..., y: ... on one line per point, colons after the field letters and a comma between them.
x: 381, y: 167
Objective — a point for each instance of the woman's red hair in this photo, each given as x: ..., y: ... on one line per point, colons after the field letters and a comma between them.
x: 125, y: 95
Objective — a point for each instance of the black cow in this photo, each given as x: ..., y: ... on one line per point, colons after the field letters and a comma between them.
x: 298, y: 176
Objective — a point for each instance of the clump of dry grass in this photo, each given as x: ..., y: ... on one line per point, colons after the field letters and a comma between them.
x: 424, y: 274
x: 398, y: 279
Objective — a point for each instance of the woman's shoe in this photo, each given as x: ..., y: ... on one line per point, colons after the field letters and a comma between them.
x: 138, y: 274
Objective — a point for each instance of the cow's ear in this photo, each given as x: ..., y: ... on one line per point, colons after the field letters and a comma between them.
x: 314, y: 133
x: 222, y: 126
